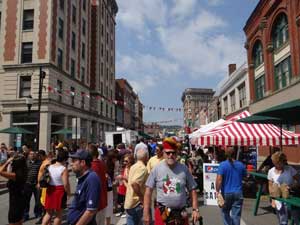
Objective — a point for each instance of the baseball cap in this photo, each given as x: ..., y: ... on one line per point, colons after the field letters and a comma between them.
x: 82, y: 155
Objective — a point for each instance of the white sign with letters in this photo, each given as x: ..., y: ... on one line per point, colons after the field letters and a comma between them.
x: 210, y: 171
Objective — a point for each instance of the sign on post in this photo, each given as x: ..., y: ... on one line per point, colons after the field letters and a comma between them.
x: 19, y: 141
x: 76, y: 128
x: 210, y: 171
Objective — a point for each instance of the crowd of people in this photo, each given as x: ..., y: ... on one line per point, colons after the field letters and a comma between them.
x: 152, y: 182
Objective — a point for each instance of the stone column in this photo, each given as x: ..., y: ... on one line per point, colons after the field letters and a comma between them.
x: 5, y: 122
x: 45, y: 131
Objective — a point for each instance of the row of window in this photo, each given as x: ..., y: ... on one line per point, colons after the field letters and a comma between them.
x: 242, y: 99
x: 282, y: 78
x: 280, y: 36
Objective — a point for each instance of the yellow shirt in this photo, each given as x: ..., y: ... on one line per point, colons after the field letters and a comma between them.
x: 137, y: 174
x: 153, y: 161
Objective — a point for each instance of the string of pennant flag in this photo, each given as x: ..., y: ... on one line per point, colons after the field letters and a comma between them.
x: 72, y: 93
x: 162, y: 121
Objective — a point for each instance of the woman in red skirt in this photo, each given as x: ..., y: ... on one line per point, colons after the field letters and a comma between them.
x: 59, y: 187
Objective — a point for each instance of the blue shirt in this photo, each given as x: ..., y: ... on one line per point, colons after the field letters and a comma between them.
x: 232, y: 175
x: 86, y: 196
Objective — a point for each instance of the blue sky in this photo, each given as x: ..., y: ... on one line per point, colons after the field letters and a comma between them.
x: 166, y: 46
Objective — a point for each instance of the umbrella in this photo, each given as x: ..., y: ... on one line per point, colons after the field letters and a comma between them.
x: 15, y: 130
x: 287, y: 112
x: 63, y: 131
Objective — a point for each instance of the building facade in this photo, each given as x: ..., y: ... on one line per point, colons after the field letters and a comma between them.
x: 66, y: 40
x: 234, y: 94
x: 194, y: 100
x: 273, y: 50
x: 129, y: 109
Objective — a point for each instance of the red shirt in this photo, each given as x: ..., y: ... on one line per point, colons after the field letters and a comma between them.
x: 122, y: 187
x: 100, y: 168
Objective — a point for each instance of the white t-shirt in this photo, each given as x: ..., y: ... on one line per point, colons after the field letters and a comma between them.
x: 56, y: 174
x: 286, y: 177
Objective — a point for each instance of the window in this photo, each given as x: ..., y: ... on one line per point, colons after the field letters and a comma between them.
x: 83, y: 26
x: 102, y: 29
x: 61, y: 28
x: 283, y: 74
x: 111, y: 112
x: 73, y: 41
x: 72, y: 94
x: 257, y: 54
x: 280, y: 31
x: 84, y: 5
x: 242, y: 95
x: 225, y: 101
x: 260, y: 87
x: 28, y: 19
x: 26, y: 52
x: 102, y: 50
x: 102, y: 69
x: 101, y: 108
x: 82, y: 74
x: 232, y: 101
x: 62, y: 4
x: 25, y: 86
x: 101, y: 88
x: 59, y: 90
x: 82, y: 100
x: 83, y: 51
x: 106, y: 109
x: 73, y: 68
x: 60, y: 58
x: 73, y: 14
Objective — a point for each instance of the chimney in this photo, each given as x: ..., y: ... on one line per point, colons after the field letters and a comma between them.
x: 231, y: 68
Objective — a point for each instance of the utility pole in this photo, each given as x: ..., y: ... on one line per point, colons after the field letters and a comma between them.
x: 42, y: 75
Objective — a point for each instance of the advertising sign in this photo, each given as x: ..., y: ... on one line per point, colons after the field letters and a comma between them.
x: 19, y: 141
x: 76, y: 128
x: 209, y: 183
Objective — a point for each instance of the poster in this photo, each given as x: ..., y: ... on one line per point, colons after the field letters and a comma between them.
x: 209, y: 183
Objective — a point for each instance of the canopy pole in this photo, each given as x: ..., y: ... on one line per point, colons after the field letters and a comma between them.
x: 281, y: 136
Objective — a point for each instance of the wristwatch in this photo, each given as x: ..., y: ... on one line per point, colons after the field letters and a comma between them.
x: 196, y: 210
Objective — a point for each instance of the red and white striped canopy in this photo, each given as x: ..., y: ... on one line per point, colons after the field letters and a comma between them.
x: 244, y: 134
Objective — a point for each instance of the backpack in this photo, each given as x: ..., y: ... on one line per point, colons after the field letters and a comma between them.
x: 45, y: 178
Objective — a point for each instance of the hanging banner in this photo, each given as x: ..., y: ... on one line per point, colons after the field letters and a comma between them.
x: 76, y: 128
x: 210, y: 171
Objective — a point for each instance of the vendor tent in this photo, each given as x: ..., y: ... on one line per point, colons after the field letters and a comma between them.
x: 243, y: 134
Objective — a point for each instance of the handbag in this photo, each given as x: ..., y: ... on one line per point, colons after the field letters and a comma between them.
x: 45, y: 178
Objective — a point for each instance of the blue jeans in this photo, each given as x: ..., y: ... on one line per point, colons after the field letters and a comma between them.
x: 135, y: 215
x: 233, y: 205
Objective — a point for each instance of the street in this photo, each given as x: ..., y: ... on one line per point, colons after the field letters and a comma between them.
x: 211, y: 214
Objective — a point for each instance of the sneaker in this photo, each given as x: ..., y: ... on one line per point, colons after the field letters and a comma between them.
x: 118, y: 214
x: 123, y: 215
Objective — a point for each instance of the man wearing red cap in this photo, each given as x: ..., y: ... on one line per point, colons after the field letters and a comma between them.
x: 170, y: 179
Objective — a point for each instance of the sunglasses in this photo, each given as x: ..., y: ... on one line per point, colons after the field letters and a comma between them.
x: 125, y: 161
x: 171, y: 152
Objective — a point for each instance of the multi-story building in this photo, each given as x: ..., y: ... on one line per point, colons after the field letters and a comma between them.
x: 194, y: 100
x: 234, y: 91
x: 129, y: 112
x: 273, y: 51
x: 73, y: 42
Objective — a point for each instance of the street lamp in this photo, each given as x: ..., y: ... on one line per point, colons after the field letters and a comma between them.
x: 42, y: 75
x: 29, y: 101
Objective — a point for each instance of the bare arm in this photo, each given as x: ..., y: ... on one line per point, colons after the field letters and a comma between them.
x: 65, y: 179
x: 218, y: 183
x: 195, y: 213
x: 4, y: 173
x: 86, y: 217
x: 147, y: 204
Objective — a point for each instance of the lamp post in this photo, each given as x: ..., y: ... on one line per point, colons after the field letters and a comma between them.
x: 29, y: 101
x: 42, y: 75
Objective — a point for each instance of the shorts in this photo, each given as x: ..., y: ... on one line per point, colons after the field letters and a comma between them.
x: 16, y: 207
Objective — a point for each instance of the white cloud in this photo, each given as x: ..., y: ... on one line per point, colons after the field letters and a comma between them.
x: 135, y: 14
x: 200, y: 47
x: 215, y: 2
x: 143, y: 71
x: 183, y: 8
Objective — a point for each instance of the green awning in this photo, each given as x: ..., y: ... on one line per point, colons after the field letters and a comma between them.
x: 260, y: 119
x: 287, y: 112
x: 144, y: 135
x: 63, y: 131
x: 15, y: 130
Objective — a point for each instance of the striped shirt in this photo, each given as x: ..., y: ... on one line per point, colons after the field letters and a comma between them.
x: 33, y: 170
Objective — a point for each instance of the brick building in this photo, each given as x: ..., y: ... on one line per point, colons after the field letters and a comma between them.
x: 273, y: 51
x: 74, y: 43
